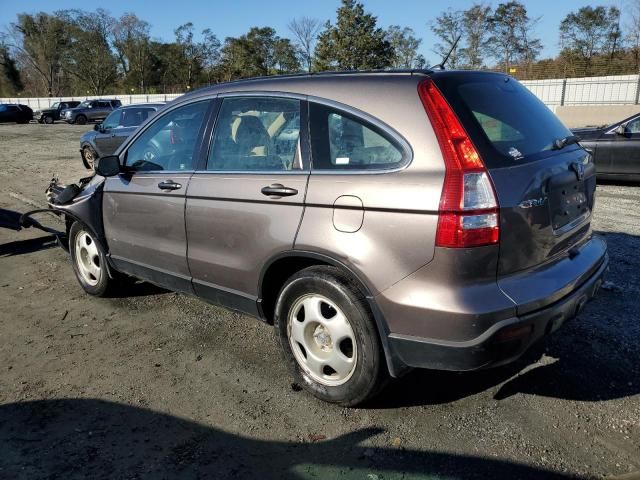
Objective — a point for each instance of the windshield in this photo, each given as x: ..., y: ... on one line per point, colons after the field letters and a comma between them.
x: 55, y: 105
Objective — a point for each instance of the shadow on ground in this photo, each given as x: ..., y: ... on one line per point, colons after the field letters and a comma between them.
x: 20, y: 247
x: 96, y: 439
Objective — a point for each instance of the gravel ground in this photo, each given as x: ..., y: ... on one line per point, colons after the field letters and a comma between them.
x: 159, y: 385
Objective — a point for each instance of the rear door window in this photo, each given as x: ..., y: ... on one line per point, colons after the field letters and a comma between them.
x: 132, y: 117
x: 503, y: 117
x: 342, y: 141
x: 256, y: 134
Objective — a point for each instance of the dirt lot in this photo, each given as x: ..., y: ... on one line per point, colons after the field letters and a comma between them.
x: 158, y: 385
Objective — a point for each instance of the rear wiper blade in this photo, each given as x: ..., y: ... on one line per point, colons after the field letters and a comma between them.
x: 560, y: 143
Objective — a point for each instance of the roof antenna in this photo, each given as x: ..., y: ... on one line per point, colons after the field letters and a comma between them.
x: 440, y: 66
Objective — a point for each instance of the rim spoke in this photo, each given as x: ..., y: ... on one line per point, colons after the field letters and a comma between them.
x: 339, y: 328
x: 341, y: 364
x: 297, y: 332
x: 312, y: 309
x: 314, y: 363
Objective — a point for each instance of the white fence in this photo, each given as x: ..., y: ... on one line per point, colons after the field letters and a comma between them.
x: 611, y: 90
x: 38, y: 103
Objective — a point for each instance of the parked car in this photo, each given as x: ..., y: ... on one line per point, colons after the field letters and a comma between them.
x: 381, y: 221
x: 51, y: 114
x: 90, y: 110
x: 11, y: 112
x: 615, y: 148
x: 106, y: 137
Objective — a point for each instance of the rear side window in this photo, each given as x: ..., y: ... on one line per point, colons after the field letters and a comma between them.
x: 502, y: 117
x: 342, y: 141
x: 132, y: 117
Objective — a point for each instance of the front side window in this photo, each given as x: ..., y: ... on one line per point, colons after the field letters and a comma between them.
x: 341, y: 141
x: 170, y: 141
x: 113, y: 120
x: 256, y: 134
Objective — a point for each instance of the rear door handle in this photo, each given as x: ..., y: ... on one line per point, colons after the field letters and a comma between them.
x: 169, y: 185
x: 278, y: 190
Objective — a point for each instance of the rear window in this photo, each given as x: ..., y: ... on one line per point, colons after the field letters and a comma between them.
x: 502, y: 117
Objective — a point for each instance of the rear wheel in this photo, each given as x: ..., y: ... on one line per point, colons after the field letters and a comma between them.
x: 88, y: 260
x: 329, y: 337
x: 81, y: 120
x: 89, y: 157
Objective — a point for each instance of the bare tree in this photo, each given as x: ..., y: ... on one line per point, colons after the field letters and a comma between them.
x: 405, y: 47
x: 448, y: 27
x: 132, y: 43
x: 305, y: 30
x: 632, y: 28
x: 475, y: 23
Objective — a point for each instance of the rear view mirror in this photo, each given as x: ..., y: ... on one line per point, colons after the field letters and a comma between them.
x: 97, y: 127
x: 621, y: 130
x: 108, y: 166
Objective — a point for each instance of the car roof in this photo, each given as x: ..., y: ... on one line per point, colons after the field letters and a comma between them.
x: 149, y: 104
x: 274, y: 82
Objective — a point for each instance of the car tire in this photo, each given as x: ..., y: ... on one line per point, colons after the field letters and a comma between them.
x: 48, y: 120
x: 334, y: 353
x: 89, y: 261
x: 89, y: 157
x: 80, y: 120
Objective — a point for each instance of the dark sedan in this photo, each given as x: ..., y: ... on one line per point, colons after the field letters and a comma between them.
x: 11, y: 112
x: 107, y: 136
x: 616, y: 148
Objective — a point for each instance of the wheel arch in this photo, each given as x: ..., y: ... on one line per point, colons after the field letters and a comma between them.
x: 283, y: 265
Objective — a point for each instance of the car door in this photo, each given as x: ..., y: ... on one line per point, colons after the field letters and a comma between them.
x: 105, y: 139
x: 245, y: 205
x: 4, y: 114
x: 143, y: 207
x: 625, y: 159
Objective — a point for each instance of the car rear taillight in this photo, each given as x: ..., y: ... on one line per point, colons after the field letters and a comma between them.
x: 468, y: 213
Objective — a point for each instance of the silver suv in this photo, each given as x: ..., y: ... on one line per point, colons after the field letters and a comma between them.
x: 381, y: 221
x: 90, y: 110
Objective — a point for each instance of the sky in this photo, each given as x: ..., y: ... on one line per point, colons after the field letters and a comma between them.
x: 233, y: 18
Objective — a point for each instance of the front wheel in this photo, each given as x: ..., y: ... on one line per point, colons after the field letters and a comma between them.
x: 89, y: 157
x: 329, y: 337
x: 81, y: 120
x: 88, y: 260
x: 48, y: 120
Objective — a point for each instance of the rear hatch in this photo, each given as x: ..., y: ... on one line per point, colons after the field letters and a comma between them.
x: 545, y: 190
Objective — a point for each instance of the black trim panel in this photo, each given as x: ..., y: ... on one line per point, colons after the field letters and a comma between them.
x: 227, y: 298
x: 159, y: 277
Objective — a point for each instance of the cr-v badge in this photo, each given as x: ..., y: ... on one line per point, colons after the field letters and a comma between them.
x: 534, y: 202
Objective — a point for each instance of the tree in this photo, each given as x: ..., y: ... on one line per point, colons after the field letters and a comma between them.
x: 404, y: 45
x: 475, y: 27
x: 589, y: 32
x: 10, y: 82
x: 305, y: 30
x: 194, y: 56
x: 40, y: 41
x: 89, y: 57
x: 354, y: 42
x: 259, y: 52
x: 448, y: 27
x: 132, y: 43
x: 632, y: 36
x: 511, y: 30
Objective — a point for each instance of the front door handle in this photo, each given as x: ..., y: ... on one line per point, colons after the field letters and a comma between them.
x: 169, y: 185
x: 278, y: 190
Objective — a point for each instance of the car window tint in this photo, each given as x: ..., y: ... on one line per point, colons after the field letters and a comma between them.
x: 256, y: 134
x: 132, y: 117
x: 170, y: 141
x: 113, y: 120
x: 634, y: 126
x: 13, y: 108
x: 341, y: 141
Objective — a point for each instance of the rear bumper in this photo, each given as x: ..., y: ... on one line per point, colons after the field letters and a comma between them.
x: 503, y: 341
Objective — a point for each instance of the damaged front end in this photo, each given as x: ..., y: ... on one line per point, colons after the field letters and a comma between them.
x: 75, y: 202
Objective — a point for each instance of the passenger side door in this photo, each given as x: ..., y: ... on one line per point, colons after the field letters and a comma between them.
x: 245, y: 205
x: 143, y: 207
